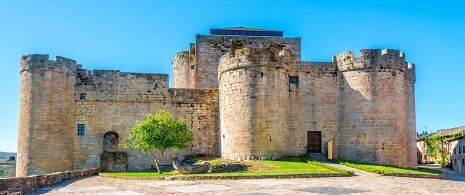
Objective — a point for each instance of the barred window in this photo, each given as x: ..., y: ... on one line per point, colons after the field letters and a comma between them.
x: 293, y: 79
x: 83, y: 96
x: 81, y: 129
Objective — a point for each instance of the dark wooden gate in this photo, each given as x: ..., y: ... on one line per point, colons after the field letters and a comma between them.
x: 313, y: 141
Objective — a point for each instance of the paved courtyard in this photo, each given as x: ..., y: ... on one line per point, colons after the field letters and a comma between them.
x: 364, y: 184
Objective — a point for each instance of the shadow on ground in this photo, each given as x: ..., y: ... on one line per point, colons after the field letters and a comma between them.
x: 56, y: 186
x: 331, y: 190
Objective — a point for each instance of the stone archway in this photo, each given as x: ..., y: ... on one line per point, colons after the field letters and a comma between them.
x: 111, y: 159
x: 110, y: 142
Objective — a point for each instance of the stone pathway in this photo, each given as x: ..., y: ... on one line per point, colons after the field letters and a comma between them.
x: 450, y: 174
x: 363, y: 184
x: 356, y: 171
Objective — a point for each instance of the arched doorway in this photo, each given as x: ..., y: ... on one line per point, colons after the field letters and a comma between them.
x: 110, y: 142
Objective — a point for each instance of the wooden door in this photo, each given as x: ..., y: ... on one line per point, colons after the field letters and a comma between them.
x: 313, y: 141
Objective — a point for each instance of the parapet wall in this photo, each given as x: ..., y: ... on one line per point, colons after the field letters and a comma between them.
x: 121, y: 86
x: 253, y: 85
x: 27, y: 184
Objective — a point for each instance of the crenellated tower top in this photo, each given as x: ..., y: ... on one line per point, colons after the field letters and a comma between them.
x: 41, y: 61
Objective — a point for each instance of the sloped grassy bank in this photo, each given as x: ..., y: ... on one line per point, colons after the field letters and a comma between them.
x: 289, y: 167
x: 384, y: 169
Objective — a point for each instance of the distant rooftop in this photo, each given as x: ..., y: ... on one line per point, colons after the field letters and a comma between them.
x: 246, y: 31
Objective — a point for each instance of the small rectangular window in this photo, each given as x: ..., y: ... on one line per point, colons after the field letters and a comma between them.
x: 83, y: 96
x: 463, y: 148
x: 293, y: 79
x: 81, y: 129
x: 192, y: 67
x: 455, y: 151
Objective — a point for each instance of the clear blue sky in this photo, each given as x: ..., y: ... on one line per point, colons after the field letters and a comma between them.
x: 142, y: 36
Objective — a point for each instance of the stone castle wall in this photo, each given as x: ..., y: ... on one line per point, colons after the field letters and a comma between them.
x: 235, y: 95
x: 46, y: 115
x: 313, y: 105
x: 410, y: 115
x: 210, y: 48
x: 253, y: 85
x: 115, y: 100
x: 373, y: 116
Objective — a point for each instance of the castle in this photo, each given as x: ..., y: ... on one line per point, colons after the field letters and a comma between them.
x: 244, y: 92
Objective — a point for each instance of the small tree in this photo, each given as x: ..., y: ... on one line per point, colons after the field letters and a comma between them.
x: 159, y: 132
x: 11, y: 158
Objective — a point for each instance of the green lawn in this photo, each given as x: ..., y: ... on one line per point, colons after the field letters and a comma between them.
x: 290, y: 165
x: 383, y: 169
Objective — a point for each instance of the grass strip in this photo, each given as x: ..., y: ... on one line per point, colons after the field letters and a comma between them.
x: 384, y: 169
x: 289, y: 165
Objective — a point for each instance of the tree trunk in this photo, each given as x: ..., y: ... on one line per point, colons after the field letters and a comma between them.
x: 158, y: 160
x: 157, y: 163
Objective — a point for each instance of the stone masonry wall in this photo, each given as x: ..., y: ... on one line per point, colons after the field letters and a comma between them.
x: 372, y: 115
x: 209, y: 49
x: 313, y: 105
x: 254, y: 103
x: 114, y: 102
x: 411, y: 116
x: 183, y: 75
x: 27, y: 184
x: 46, y: 115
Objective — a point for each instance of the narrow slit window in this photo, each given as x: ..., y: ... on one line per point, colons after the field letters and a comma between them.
x: 83, y: 96
x: 81, y: 129
x: 293, y: 79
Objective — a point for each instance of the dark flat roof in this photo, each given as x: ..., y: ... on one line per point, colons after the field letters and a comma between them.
x: 244, y: 31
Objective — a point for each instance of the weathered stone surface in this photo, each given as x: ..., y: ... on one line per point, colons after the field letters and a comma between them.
x: 235, y: 95
x: 114, y: 161
x: 34, y: 182
x: 191, y: 168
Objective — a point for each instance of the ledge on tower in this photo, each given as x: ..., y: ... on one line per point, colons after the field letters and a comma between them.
x: 244, y: 31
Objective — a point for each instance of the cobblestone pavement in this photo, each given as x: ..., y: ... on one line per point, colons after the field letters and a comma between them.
x: 365, y: 183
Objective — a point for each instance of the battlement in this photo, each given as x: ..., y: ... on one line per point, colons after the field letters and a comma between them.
x: 255, y: 57
x: 314, y: 67
x: 92, y: 76
x: 388, y: 58
x: 180, y: 55
x: 41, y: 61
x: 411, y: 72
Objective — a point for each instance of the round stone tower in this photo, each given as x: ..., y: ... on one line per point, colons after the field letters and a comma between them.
x: 182, y: 72
x: 375, y: 114
x: 253, y: 93
x: 46, y: 116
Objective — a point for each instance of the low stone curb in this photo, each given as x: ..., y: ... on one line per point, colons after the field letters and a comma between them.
x: 229, y: 177
x: 428, y: 176
x: 31, y: 183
